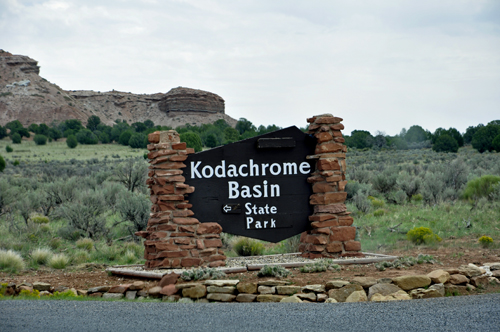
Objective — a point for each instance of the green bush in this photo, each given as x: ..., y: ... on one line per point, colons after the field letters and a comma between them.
x: 55, y: 243
x: 58, y: 261
x: 138, y: 141
x: 125, y: 137
x: 445, y: 143
x: 275, y: 271
x: 39, y: 219
x: 9, y: 149
x: 80, y: 256
x: 485, y: 241
x: 421, y: 235
x: 202, y: 274
x: 41, y: 255
x: 85, y: 136
x: 40, y: 139
x: 248, y: 247
x: 481, y: 187
x: 11, y: 261
x: 2, y: 164
x: 378, y: 213
x: 16, y: 138
x: 495, y: 143
x: 71, y: 142
x: 192, y: 140
x: 85, y: 243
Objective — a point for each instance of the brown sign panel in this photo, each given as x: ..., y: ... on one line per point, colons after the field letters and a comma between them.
x: 256, y: 187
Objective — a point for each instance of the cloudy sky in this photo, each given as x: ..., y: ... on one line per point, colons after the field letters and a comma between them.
x: 381, y: 65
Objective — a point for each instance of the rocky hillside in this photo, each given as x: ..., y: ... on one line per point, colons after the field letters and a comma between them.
x: 29, y: 98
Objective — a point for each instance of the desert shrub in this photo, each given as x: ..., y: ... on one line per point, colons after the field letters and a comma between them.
x: 86, y: 214
x: 85, y: 244
x: 58, y: 261
x: 275, y: 271
x: 320, y: 266
x: 384, y: 182
x: 129, y: 257
x: 202, y: 274
x: 107, y: 253
x: 80, y: 256
x: 2, y: 164
x: 71, y: 142
x: 362, y: 202
x: 11, y: 261
x: 9, y: 149
x: 433, y: 187
x: 132, y: 173
x: 417, y: 198
x: 353, y: 187
x: 39, y: 219
x: 398, y: 197
x: 409, y: 184
x: 134, y: 208
x: 485, y: 241
x: 41, y: 255
x: 421, y: 235
x: 481, y: 187
x: 404, y: 262
x: 455, y: 174
x: 248, y: 247
x: 376, y: 203
x: 40, y: 139
x: 55, y: 243
x: 16, y: 138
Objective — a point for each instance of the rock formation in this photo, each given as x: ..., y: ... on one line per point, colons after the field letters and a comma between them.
x: 29, y: 98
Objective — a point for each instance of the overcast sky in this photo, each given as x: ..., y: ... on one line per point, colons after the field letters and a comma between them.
x: 380, y: 65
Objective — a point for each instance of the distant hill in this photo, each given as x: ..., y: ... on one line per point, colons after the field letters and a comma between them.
x: 29, y: 98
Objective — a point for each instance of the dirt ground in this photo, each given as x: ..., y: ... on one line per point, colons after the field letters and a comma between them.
x: 93, y: 275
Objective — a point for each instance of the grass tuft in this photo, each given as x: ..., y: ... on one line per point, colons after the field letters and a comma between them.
x: 59, y: 261
x: 11, y: 261
x: 41, y: 255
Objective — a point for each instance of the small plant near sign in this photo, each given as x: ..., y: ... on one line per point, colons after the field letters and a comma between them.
x: 248, y: 247
x: 421, y: 235
x: 404, y: 262
x: 273, y: 271
x: 202, y: 274
x: 485, y: 241
x: 320, y: 266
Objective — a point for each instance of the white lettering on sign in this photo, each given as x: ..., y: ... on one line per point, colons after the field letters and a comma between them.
x: 247, y: 169
x: 253, y: 208
x: 235, y: 191
x: 251, y: 223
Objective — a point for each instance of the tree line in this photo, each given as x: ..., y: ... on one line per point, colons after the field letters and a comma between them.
x: 481, y: 137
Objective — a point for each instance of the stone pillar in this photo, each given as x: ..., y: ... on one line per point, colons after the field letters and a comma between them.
x: 331, y: 234
x: 174, y: 238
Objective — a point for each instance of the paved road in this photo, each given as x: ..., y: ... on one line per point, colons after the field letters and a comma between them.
x: 468, y: 313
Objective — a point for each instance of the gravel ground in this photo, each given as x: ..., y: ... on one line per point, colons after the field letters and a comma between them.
x: 467, y: 313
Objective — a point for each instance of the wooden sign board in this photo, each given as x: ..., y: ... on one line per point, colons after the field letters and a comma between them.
x: 256, y: 187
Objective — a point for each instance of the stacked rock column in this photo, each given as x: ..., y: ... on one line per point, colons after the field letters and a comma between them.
x: 174, y: 238
x: 332, y: 233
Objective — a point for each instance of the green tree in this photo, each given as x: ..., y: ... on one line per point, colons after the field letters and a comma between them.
x: 221, y: 124
x: 469, y: 133
x: 139, y: 127
x: 360, y: 139
x: 415, y: 134
x: 211, y: 141
x: 103, y: 138
x: 445, y: 143
x: 14, y: 125
x: 71, y: 141
x: 2, y: 165
x: 496, y: 143
x: 125, y: 137
x: 3, y: 132
x: 230, y: 135
x: 43, y: 129
x: 33, y: 128
x: 40, y: 139
x: 85, y: 136
x: 149, y: 124
x: 72, y: 124
x: 117, y: 130
x: 483, y: 138
x: 137, y: 141
x: 55, y: 134
x: 92, y: 122
x: 16, y: 138
x: 453, y: 132
x: 244, y: 125
x: 192, y: 140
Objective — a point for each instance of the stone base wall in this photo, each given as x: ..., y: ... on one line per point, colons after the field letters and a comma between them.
x: 332, y: 233
x: 173, y: 237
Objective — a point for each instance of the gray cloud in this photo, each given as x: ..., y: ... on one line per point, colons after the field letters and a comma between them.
x: 378, y: 65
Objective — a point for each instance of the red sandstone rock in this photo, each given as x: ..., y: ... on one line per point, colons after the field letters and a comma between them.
x: 323, y: 137
x: 217, y: 263
x: 327, y: 120
x: 345, y: 221
x: 172, y: 254
x: 316, y: 239
x: 352, y: 246
x: 209, y: 227
x: 161, y: 246
x: 179, y: 146
x: 188, y: 262
x: 343, y: 234
x: 334, y: 247
x: 171, y: 228
x: 186, y: 221
x: 168, y: 290
x: 326, y: 164
x: 213, y: 243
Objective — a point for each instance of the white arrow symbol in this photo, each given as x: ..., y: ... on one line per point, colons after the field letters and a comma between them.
x: 227, y: 208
